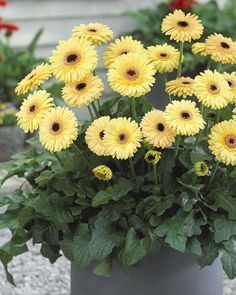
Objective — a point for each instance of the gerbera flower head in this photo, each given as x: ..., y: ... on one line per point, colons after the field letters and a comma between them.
x: 83, y: 92
x: 122, y: 138
x: 95, y: 33
x: 182, y: 27
x: 181, y: 87
x: 94, y: 136
x: 59, y: 129
x: 184, y: 117
x: 222, y: 142
x: 156, y: 130
x: 131, y: 75
x: 201, y: 168
x: 221, y: 49
x: 152, y: 157
x: 33, y: 110
x: 102, y: 172
x: 231, y: 80
x: 212, y: 90
x: 34, y: 79
x: 199, y: 48
x: 121, y: 46
x: 73, y: 59
x: 165, y: 58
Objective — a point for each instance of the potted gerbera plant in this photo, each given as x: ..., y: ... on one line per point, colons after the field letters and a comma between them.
x: 132, y: 181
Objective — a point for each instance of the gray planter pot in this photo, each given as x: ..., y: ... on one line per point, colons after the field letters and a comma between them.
x: 12, y: 140
x: 168, y: 273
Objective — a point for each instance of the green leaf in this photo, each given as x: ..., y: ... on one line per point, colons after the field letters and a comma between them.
x: 224, y: 229
x: 224, y: 200
x: 228, y: 259
x: 133, y: 251
x: 51, y: 252
x: 194, y: 246
x: 200, y: 153
x: 209, y: 253
x: 104, y: 268
x: 5, y: 258
x: 102, y: 242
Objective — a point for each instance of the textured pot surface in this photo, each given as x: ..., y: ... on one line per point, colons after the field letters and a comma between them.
x: 168, y: 273
x: 11, y: 141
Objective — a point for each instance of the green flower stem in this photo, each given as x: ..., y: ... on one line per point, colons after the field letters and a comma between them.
x: 95, y: 109
x: 98, y: 102
x: 209, y: 64
x: 90, y: 112
x: 76, y: 148
x: 177, y: 146
x: 218, y: 116
x: 59, y: 159
x: 219, y: 67
x: 214, y: 172
x: 181, y: 49
x: 132, y: 168
x: 155, y: 174
x: 133, y: 108
x: 165, y: 80
x: 119, y: 166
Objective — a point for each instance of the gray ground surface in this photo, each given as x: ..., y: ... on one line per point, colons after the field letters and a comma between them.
x: 34, y: 275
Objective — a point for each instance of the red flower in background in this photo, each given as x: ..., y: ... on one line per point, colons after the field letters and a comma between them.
x: 8, y: 27
x: 3, y: 3
x: 182, y: 4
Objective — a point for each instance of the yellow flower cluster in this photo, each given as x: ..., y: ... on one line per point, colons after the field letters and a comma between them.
x: 131, y: 71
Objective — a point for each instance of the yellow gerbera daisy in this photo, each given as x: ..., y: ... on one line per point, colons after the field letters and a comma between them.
x: 102, y: 172
x: 95, y: 33
x: 165, y: 58
x: 222, y: 142
x: 34, y: 79
x: 152, y: 157
x: 201, y: 168
x: 199, y: 48
x: 59, y: 129
x: 33, y: 110
x: 231, y: 80
x: 119, y: 47
x: 212, y: 90
x: 122, y: 138
x: 156, y: 130
x: 73, y: 60
x: 182, y: 27
x: 221, y: 49
x: 83, y: 92
x: 181, y: 87
x: 94, y: 136
x: 184, y: 117
x: 131, y: 75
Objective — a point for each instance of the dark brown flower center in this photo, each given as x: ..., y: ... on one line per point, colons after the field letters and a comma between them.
x: 224, y: 45
x: 230, y: 83
x: 56, y: 127
x: 32, y: 108
x: 183, y: 24
x: 151, y: 158
x: 186, y: 115
x: 163, y: 55
x: 213, y: 88
x: 72, y: 58
x: 230, y: 141
x: 124, y: 52
x: 186, y: 83
x: 160, y: 127
x: 122, y: 138
x: 81, y: 86
x: 131, y: 74
x: 101, y: 134
x: 32, y: 76
x: 92, y: 30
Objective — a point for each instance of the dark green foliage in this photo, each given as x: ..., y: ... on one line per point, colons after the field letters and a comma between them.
x: 68, y: 211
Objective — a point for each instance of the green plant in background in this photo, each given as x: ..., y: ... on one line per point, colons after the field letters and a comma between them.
x: 7, y: 115
x: 214, y: 19
x: 14, y: 65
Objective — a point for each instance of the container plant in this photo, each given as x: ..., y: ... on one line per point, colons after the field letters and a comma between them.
x: 132, y: 181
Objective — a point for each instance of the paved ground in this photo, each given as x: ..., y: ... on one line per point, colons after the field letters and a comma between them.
x: 34, y: 275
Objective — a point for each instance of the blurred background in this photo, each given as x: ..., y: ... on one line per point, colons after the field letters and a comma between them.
x: 29, y: 31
